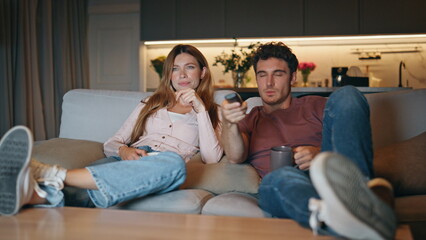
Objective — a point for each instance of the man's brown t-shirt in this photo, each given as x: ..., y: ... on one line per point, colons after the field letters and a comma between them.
x: 300, y: 124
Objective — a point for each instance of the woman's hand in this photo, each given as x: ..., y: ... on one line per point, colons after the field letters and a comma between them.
x: 188, y: 97
x: 129, y: 153
x: 303, y: 156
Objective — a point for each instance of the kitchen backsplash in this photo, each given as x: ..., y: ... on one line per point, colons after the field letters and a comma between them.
x: 383, y: 72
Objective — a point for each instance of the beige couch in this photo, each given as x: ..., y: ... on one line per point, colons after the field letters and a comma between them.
x: 399, y: 135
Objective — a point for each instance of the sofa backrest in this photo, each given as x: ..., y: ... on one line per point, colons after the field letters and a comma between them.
x: 96, y: 115
x: 395, y: 116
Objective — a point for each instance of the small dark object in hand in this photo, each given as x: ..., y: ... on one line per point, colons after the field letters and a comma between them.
x: 233, y: 97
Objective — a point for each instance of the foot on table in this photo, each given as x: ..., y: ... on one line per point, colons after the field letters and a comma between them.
x: 347, y: 205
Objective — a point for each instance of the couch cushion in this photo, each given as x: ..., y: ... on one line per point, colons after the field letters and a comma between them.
x: 221, y: 177
x: 180, y: 201
x: 233, y: 204
x: 68, y: 153
x: 253, y: 102
x: 219, y: 95
x: 404, y: 165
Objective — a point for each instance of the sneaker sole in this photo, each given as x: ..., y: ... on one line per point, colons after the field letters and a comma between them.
x: 340, y: 183
x: 15, y: 152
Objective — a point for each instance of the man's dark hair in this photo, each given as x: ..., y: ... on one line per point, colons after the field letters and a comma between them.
x: 277, y: 50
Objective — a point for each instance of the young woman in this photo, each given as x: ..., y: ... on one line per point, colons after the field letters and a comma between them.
x: 147, y: 155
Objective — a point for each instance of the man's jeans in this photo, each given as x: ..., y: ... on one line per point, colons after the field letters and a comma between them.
x: 120, y: 181
x: 285, y: 192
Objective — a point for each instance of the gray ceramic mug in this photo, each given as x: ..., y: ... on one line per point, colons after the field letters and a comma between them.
x: 281, y: 156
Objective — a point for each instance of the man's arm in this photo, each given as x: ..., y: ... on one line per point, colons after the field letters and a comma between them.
x: 235, y: 144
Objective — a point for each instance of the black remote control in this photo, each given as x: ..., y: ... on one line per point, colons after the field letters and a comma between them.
x: 233, y: 97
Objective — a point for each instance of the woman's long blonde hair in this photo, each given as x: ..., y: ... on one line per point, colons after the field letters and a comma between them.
x: 164, y: 96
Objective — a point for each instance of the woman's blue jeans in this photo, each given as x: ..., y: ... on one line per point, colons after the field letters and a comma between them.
x: 120, y: 181
x: 285, y: 192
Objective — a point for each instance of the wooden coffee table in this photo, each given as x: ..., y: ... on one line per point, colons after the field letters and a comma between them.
x: 104, y: 224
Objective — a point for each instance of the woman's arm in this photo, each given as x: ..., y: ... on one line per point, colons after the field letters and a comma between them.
x: 210, y: 148
x: 123, y: 135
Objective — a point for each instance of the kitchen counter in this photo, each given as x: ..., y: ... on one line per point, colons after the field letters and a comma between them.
x: 321, y: 91
x: 302, y: 91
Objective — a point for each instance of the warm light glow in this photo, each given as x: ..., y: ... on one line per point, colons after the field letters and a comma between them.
x: 289, y: 40
x: 173, y: 42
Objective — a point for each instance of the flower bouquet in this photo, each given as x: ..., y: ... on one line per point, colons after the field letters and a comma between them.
x: 306, y: 68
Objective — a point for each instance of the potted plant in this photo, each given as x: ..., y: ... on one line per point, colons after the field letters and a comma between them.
x: 237, y: 62
x: 158, y: 63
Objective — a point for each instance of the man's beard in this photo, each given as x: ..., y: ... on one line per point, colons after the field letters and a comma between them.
x: 274, y: 102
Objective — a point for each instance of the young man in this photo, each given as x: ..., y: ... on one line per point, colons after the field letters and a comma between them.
x: 338, y: 127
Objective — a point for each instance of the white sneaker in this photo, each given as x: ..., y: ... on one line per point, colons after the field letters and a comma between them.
x: 348, y: 206
x: 49, y: 175
x: 16, y: 183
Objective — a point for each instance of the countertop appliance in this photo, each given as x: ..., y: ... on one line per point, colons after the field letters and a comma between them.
x: 337, y: 75
x: 340, y: 78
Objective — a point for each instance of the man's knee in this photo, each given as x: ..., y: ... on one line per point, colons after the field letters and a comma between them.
x: 346, y: 92
x: 280, y: 176
x: 347, y: 97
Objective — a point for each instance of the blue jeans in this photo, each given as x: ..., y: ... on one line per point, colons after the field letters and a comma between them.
x: 285, y: 192
x: 120, y: 181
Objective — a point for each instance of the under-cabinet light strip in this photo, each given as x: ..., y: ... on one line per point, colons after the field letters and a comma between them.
x: 295, y: 39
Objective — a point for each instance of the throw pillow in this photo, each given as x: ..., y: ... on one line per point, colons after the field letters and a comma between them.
x: 68, y: 153
x: 404, y: 165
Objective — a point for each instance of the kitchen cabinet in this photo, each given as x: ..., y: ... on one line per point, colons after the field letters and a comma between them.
x: 157, y: 20
x: 266, y: 18
x: 392, y: 16
x: 331, y: 17
x: 183, y: 19
x: 194, y: 19
x: 200, y: 19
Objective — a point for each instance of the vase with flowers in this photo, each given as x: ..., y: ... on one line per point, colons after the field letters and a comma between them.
x: 306, y: 68
x: 238, y: 63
